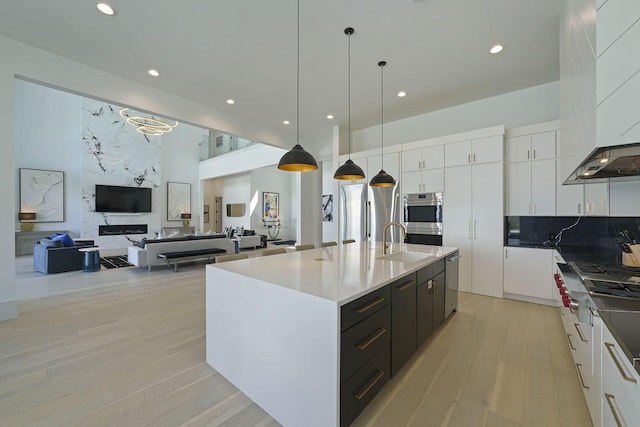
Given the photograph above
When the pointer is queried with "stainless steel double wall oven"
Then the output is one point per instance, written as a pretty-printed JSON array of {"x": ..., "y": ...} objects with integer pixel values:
[{"x": 423, "y": 218}]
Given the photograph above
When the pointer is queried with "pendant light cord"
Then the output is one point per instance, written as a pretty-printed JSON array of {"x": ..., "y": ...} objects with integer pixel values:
[
  {"x": 382, "y": 64},
  {"x": 298, "y": 82},
  {"x": 349, "y": 86}
]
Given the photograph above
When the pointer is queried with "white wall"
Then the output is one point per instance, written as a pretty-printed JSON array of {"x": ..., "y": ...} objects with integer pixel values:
[
  {"x": 180, "y": 155},
  {"x": 528, "y": 106},
  {"x": 273, "y": 180},
  {"x": 48, "y": 136},
  {"x": 236, "y": 189}
]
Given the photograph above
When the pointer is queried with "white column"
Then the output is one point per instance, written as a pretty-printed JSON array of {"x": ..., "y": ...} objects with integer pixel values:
[
  {"x": 309, "y": 224},
  {"x": 8, "y": 176}
]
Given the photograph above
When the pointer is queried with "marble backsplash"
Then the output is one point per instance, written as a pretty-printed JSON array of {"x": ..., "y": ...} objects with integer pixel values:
[{"x": 576, "y": 232}]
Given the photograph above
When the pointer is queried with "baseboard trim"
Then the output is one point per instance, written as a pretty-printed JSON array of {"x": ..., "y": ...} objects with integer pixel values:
[
  {"x": 8, "y": 310},
  {"x": 525, "y": 298}
]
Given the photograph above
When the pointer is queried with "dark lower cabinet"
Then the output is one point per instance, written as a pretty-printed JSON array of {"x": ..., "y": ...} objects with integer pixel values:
[
  {"x": 382, "y": 330},
  {"x": 424, "y": 313},
  {"x": 363, "y": 341},
  {"x": 361, "y": 387},
  {"x": 439, "y": 290},
  {"x": 403, "y": 321}
]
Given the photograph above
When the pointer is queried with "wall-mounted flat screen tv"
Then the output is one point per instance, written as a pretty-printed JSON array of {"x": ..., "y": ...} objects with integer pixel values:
[{"x": 116, "y": 199}]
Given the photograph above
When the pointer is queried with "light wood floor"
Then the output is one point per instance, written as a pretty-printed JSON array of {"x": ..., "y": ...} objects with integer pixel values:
[{"x": 130, "y": 352}]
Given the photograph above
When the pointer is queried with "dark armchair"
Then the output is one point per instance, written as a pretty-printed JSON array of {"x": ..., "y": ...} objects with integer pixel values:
[{"x": 55, "y": 258}]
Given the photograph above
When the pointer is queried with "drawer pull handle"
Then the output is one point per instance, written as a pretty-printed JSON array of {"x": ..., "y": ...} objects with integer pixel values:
[
  {"x": 610, "y": 398},
  {"x": 615, "y": 360},
  {"x": 579, "y": 366},
  {"x": 406, "y": 285},
  {"x": 377, "y": 334},
  {"x": 372, "y": 304},
  {"x": 582, "y": 338},
  {"x": 570, "y": 343},
  {"x": 362, "y": 393}
]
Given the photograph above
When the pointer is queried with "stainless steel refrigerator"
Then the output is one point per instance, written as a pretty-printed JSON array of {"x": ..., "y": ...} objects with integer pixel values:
[{"x": 366, "y": 210}]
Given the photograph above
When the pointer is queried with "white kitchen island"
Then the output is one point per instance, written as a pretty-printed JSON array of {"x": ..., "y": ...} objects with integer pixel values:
[{"x": 273, "y": 323}]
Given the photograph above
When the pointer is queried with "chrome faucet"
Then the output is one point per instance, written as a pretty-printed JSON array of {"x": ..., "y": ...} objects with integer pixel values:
[{"x": 385, "y": 245}]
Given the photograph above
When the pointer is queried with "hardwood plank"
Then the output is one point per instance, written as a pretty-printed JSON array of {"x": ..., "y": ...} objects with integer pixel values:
[{"x": 126, "y": 348}]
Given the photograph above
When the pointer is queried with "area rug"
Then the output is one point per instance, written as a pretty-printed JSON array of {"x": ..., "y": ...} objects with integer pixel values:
[
  {"x": 284, "y": 242},
  {"x": 115, "y": 261}
]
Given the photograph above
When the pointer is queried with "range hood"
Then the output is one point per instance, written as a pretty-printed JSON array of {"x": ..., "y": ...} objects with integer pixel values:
[{"x": 619, "y": 161}]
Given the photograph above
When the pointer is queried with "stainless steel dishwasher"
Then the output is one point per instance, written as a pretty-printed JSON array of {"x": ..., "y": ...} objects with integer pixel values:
[{"x": 451, "y": 282}]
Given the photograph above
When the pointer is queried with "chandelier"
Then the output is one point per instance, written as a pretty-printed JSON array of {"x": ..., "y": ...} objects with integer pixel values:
[{"x": 147, "y": 125}]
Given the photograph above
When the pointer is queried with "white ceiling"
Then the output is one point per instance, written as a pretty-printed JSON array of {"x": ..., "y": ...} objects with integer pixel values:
[{"x": 211, "y": 50}]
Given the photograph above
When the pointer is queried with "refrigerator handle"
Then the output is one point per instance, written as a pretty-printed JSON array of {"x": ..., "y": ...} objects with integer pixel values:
[{"x": 367, "y": 226}]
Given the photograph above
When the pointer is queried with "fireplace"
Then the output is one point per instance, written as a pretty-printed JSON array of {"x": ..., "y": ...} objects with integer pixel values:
[{"x": 119, "y": 230}]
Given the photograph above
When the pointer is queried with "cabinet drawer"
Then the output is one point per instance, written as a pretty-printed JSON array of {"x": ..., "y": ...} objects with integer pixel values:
[
  {"x": 363, "y": 307},
  {"x": 619, "y": 403},
  {"x": 424, "y": 274},
  {"x": 363, "y": 341},
  {"x": 438, "y": 267},
  {"x": 357, "y": 392},
  {"x": 624, "y": 371},
  {"x": 428, "y": 272}
]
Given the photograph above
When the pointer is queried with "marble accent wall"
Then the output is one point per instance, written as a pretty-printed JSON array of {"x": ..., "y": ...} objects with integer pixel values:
[{"x": 113, "y": 153}]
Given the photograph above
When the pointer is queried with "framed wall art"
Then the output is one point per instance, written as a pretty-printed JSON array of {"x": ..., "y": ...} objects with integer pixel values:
[
  {"x": 270, "y": 205},
  {"x": 327, "y": 207},
  {"x": 42, "y": 192},
  {"x": 178, "y": 200}
]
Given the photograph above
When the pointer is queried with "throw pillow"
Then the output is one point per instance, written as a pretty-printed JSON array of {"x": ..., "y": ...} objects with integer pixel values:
[
  {"x": 48, "y": 243},
  {"x": 64, "y": 238}
]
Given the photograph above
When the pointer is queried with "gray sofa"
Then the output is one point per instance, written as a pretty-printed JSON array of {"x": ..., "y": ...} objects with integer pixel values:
[
  {"x": 50, "y": 256},
  {"x": 145, "y": 254}
]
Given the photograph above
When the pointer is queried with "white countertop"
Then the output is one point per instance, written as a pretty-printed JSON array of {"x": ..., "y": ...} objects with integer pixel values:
[{"x": 339, "y": 273}]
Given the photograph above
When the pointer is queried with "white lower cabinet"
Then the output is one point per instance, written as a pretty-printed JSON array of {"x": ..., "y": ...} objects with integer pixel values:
[
  {"x": 580, "y": 337},
  {"x": 481, "y": 262},
  {"x": 620, "y": 394},
  {"x": 528, "y": 272}
]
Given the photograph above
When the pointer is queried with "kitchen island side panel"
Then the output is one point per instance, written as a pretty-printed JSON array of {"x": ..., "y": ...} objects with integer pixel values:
[{"x": 278, "y": 346}]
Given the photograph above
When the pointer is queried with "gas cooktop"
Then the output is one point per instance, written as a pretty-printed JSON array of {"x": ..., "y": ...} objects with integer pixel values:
[{"x": 610, "y": 273}]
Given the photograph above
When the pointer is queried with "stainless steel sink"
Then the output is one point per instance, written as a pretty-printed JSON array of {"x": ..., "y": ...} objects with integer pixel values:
[{"x": 406, "y": 257}]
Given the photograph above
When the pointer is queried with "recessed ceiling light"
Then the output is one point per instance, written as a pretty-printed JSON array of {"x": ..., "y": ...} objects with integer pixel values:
[
  {"x": 496, "y": 49},
  {"x": 106, "y": 9},
  {"x": 329, "y": 116},
  {"x": 230, "y": 101},
  {"x": 604, "y": 160},
  {"x": 286, "y": 122},
  {"x": 402, "y": 93},
  {"x": 153, "y": 73}
]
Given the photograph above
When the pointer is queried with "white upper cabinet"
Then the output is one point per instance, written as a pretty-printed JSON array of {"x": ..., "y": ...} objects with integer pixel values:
[
  {"x": 538, "y": 146},
  {"x": 531, "y": 180},
  {"x": 391, "y": 165},
  {"x": 481, "y": 150},
  {"x": 425, "y": 181},
  {"x": 596, "y": 199},
  {"x": 569, "y": 198},
  {"x": 423, "y": 158}
]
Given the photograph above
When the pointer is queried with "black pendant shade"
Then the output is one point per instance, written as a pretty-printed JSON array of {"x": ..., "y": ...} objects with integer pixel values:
[
  {"x": 382, "y": 179},
  {"x": 349, "y": 171},
  {"x": 297, "y": 160}
]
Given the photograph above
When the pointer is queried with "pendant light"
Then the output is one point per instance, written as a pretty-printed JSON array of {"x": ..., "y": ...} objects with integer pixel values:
[
  {"x": 349, "y": 170},
  {"x": 297, "y": 159},
  {"x": 382, "y": 179}
]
